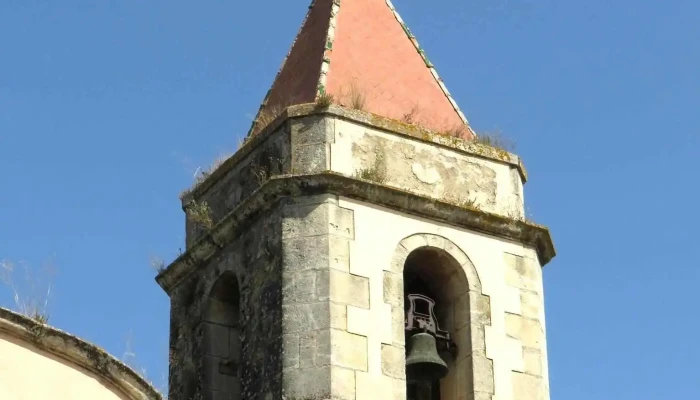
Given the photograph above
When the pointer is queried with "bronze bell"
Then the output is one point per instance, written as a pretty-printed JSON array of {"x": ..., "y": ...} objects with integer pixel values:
[{"x": 424, "y": 363}]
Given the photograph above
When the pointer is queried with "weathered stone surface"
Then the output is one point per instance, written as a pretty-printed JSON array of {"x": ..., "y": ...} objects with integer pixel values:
[
  {"x": 393, "y": 289},
  {"x": 310, "y": 158},
  {"x": 292, "y": 259},
  {"x": 339, "y": 316},
  {"x": 348, "y": 350},
  {"x": 306, "y": 317},
  {"x": 213, "y": 344},
  {"x": 531, "y": 304},
  {"x": 482, "y": 377},
  {"x": 305, "y": 253},
  {"x": 312, "y": 130},
  {"x": 532, "y": 360},
  {"x": 291, "y": 349},
  {"x": 339, "y": 253},
  {"x": 521, "y": 272},
  {"x": 399, "y": 389},
  {"x": 299, "y": 287},
  {"x": 428, "y": 170},
  {"x": 314, "y": 349},
  {"x": 472, "y": 307},
  {"x": 342, "y": 383},
  {"x": 393, "y": 361},
  {"x": 349, "y": 289},
  {"x": 310, "y": 383},
  {"x": 239, "y": 177},
  {"x": 528, "y": 331},
  {"x": 398, "y": 334},
  {"x": 528, "y": 387},
  {"x": 313, "y": 220}
]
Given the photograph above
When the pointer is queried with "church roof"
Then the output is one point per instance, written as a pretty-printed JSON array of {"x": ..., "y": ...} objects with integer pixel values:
[{"x": 362, "y": 53}]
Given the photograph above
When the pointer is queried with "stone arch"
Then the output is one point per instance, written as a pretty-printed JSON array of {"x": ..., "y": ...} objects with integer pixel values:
[
  {"x": 221, "y": 331},
  {"x": 465, "y": 310}
]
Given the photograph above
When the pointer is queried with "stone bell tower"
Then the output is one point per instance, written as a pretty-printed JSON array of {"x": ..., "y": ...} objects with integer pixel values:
[{"x": 363, "y": 243}]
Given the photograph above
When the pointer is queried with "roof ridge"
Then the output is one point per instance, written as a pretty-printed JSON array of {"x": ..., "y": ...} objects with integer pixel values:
[{"x": 330, "y": 37}]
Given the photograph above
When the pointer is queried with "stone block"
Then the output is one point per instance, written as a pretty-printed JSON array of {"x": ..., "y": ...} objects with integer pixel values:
[
  {"x": 398, "y": 333},
  {"x": 531, "y": 304},
  {"x": 528, "y": 331},
  {"x": 482, "y": 377},
  {"x": 528, "y": 387},
  {"x": 399, "y": 389},
  {"x": 215, "y": 339},
  {"x": 472, "y": 307},
  {"x": 348, "y": 350},
  {"x": 394, "y": 361},
  {"x": 307, "y": 350},
  {"x": 342, "y": 222},
  {"x": 393, "y": 289},
  {"x": 349, "y": 289},
  {"x": 532, "y": 361},
  {"x": 343, "y": 383},
  {"x": 298, "y": 318},
  {"x": 413, "y": 242},
  {"x": 290, "y": 356},
  {"x": 219, "y": 312},
  {"x": 299, "y": 287},
  {"x": 314, "y": 349},
  {"x": 339, "y": 253},
  {"x": 234, "y": 340},
  {"x": 339, "y": 316},
  {"x": 312, "y": 130},
  {"x": 398, "y": 260},
  {"x": 305, "y": 221},
  {"x": 305, "y": 253},
  {"x": 435, "y": 241},
  {"x": 522, "y": 272},
  {"x": 309, "y": 159},
  {"x": 214, "y": 379},
  {"x": 457, "y": 254},
  {"x": 310, "y": 383},
  {"x": 470, "y": 338}
]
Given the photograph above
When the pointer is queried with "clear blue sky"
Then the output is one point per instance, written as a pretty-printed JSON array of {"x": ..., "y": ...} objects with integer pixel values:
[{"x": 108, "y": 107}]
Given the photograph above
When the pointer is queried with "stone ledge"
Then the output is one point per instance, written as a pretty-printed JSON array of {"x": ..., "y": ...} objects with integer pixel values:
[
  {"x": 281, "y": 187},
  {"x": 364, "y": 118},
  {"x": 78, "y": 352}
]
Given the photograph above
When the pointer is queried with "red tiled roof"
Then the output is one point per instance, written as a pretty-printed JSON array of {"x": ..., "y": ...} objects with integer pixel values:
[{"x": 360, "y": 51}]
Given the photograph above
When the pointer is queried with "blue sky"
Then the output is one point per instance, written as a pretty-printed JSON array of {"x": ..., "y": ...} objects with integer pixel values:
[{"x": 108, "y": 107}]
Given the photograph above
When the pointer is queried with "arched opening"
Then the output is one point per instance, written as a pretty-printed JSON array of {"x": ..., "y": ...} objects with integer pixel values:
[
  {"x": 222, "y": 340},
  {"x": 434, "y": 273}
]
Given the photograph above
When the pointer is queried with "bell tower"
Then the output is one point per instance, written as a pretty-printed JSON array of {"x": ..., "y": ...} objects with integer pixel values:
[{"x": 364, "y": 243}]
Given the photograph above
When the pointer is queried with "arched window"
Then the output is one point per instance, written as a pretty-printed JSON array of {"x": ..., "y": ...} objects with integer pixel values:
[
  {"x": 433, "y": 271},
  {"x": 222, "y": 340}
]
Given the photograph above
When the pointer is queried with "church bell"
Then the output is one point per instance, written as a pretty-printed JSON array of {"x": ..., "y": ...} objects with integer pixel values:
[{"x": 423, "y": 363}]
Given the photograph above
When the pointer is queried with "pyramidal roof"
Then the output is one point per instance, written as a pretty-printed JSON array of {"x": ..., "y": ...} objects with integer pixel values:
[{"x": 362, "y": 54}]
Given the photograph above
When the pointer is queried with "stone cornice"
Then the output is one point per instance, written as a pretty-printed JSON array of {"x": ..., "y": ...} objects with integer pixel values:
[
  {"x": 78, "y": 352},
  {"x": 368, "y": 119},
  {"x": 279, "y": 187}
]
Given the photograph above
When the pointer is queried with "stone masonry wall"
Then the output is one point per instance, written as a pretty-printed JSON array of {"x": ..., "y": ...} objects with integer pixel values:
[
  {"x": 271, "y": 157},
  {"x": 195, "y": 349},
  {"x": 321, "y": 356},
  {"x": 524, "y": 275},
  {"x": 319, "y": 143}
]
